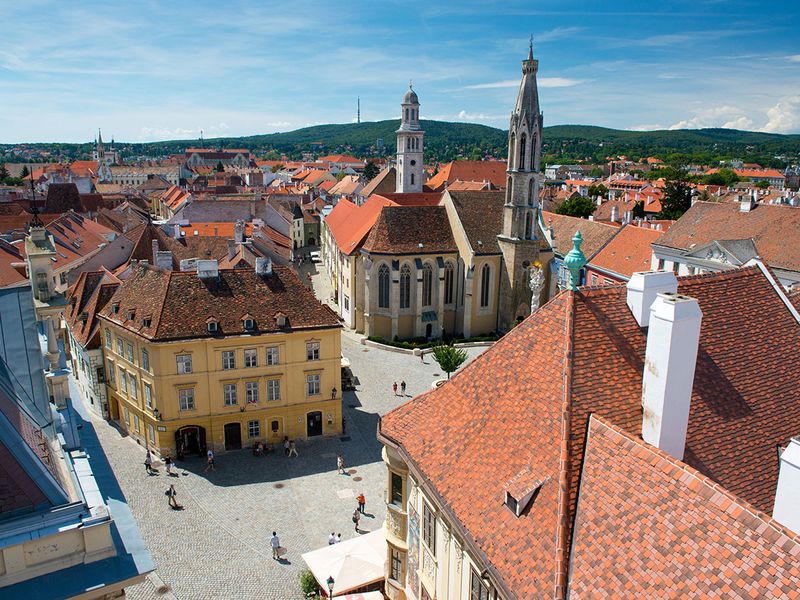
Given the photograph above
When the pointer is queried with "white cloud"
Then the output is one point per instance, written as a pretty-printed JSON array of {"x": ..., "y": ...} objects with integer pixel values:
[
  {"x": 465, "y": 116},
  {"x": 784, "y": 117},
  {"x": 724, "y": 116},
  {"x": 646, "y": 127},
  {"x": 509, "y": 83},
  {"x": 555, "y": 34},
  {"x": 793, "y": 58}
]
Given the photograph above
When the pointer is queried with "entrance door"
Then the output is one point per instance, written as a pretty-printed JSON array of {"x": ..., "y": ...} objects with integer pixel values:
[
  {"x": 428, "y": 330},
  {"x": 314, "y": 424},
  {"x": 233, "y": 436}
]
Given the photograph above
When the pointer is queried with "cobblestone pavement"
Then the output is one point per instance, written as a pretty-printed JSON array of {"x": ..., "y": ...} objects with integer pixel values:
[{"x": 218, "y": 547}]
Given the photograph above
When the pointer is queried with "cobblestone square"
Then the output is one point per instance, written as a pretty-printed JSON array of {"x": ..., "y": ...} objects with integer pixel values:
[{"x": 218, "y": 546}]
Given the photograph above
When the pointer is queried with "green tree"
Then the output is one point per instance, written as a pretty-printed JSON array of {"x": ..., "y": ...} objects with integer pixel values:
[
  {"x": 220, "y": 167},
  {"x": 638, "y": 210},
  {"x": 722, "y": 177},
  {"x": 3, "y": 173},
  {"x": 340, "y": 175},
  {"x": 308, "y": 584},
  {"x": 370, "y": 170},
  {"x": 577, "y": 206},
  {"x": 276, "y": 168},
  {"x": 449, "y": 357},
  {"x": 596, "y": 172},
  {"x": 597, "y": 190},
  {"x": 677, "y": 197},
  {"x": 761, "y": 184},
  {"x": 24, "y": 172}
]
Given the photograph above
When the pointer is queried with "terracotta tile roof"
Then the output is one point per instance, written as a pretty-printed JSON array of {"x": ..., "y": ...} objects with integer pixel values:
[
  {"x": 481, "y": 215},
  {"x": 189, "y": 246},
  {"x": 411, "y": 230},
  {"x": 627, "y": 252},
  {"x": 84, "y": 168},
  {"x": 775, "y": 229},
  {"x": 684, "y": 535},
  {"x": 413, "y": 199},
  {"x": 90, "y": 293},
  {"x": 12, "y": 265},
  {"x": 180, "y": 304},
  {"x": 471, "y": 170},
  {"x": 62, "y": 197},
  {"x": 350, "y": 224},
  {"x": 216, "y": 229},
  {"x": 595, "y": 235},
  {"x": 327, "y": 185},
  {"x": 772, "y": 173},
  {"x": 75, "y": 237},
  {"x": 384, "y": 182},
  {"x": 340, "y": 158},
  {"x": 468, "y": 186},
  {"x": 583, "y": 353}
]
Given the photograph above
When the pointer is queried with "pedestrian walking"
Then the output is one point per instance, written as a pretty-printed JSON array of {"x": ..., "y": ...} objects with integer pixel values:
[
  {"x": 394, "y": 388},
  {"x": 356, "y": 518},
  {"x": 403, "y": 388},
  {"x": 340, "y": 464},
  {"x": 286, "y": 445},
  {"x": 148, "y": 463},
  {"x": 292, "y": 448},
  {"x": 331, "y": 539},
  {"x": 210, "y": 460},
  {"x": 338, "y": 537},
  {"x": 171, "y": 494},
  {"x": 362, "y": 501},
  {"x": 276, "y": 545},
  {"x": 168, "y": 464}
]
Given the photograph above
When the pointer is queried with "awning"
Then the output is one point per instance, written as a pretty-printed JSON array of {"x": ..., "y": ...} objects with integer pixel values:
[
  {"x": 429, "y": 315},
  {"x": 363, "y": 596},
  {"x": 353, "y": 563}
]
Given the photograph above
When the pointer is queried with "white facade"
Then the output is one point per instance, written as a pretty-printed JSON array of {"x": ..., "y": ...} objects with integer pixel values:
[
  {"x": 89, "y": 370},
  {"x": 409, "y": 146}
]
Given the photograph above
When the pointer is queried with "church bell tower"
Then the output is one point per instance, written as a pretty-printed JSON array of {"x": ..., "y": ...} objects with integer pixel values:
[
  {"x": 409, "y": 146},
  {"x": 519, "y": 241}
]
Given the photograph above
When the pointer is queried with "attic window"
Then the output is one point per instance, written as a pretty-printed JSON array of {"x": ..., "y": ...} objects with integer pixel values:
[
  {"x": 249, "y": 324},
  {"x": 521, "y": 491},
  {"x": 280, "y": 319},
  {"x": 146, "y": 322},
  {"x": 115, "y": 308},
  {"x": 131, "y": 315},
  {"x": 213, "y": 326}
]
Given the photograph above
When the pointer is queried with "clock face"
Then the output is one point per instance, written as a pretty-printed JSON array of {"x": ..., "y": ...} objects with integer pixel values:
[{"x": 413, "y": 162}]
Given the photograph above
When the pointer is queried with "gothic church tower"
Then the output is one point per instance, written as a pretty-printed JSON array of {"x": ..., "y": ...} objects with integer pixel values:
[
  {"x": 409, "y": 146},
  {"x": 518, "y": 242}
]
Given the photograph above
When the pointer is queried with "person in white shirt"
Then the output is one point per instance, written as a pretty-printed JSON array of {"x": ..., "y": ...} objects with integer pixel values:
[
  {"x": 331, "y": 539},
  {"x": 276, "y": 544}
]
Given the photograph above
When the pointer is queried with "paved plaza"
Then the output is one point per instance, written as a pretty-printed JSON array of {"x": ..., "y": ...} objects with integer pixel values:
[{"x": 218, "y": 547}]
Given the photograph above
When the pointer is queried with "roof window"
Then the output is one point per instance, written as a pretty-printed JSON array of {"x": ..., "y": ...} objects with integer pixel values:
[
  {"x": 213, "y": 325},
  {"x": 131, "y": 315},
  {"x": 115, "y": 308},
  {"x": 281, "y": 320},
  {"x": 522, "y": 490},
  {"x": 147, "y": 321},
  {"x": 249, "y": 323}
]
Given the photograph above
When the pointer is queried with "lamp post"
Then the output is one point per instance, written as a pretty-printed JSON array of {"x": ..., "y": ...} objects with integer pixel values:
[
  {"x": 333, "y": 393},
  {"x": 330, "y": 583},
  {"x": 156, "y": 414}
]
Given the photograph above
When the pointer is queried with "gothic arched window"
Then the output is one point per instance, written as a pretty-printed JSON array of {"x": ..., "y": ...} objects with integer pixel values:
[
  {"x": 530, "y": 192},
  {"x": 406, "y": 114},
  {"x": 427, "y": 284},
  {"x": 405, "y": 287},
  {"x": 485, "y": 276},
  {"x": 523, "y": 140},
  {"x": 509, "y": 187},
  {"x": 529, "y": 226},
  {"x": 448, "y": 283},
  {"x": 412, "y": 179},
  {"x": 383, "y": 287},
  {"x": 534, "y": 166}
]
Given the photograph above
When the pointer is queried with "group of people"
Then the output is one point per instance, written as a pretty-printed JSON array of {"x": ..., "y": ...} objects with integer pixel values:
[
  {"x": 148, "y": 464},
  {"x": 402, "y": 388},
  {"x": 289, "y": 447}
]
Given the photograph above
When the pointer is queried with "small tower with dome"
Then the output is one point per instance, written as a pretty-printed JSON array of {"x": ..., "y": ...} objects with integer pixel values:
[{"x": 409, "y": 145}]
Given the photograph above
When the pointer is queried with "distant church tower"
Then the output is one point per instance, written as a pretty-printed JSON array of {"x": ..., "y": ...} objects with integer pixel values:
[
  {"x": 99, "y": 151},
  {"x": 409, "y": 145},
  {"x": 518, "y": 242}
]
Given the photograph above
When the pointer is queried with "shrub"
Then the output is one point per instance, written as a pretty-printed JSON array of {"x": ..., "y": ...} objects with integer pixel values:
[{"x": 308, "y": 584}]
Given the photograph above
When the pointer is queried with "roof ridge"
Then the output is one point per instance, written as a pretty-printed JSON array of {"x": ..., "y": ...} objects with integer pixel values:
[{"x": 683, "y": 472}]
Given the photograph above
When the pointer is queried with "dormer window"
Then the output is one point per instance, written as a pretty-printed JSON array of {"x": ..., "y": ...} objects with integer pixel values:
[
  {"x": 281, "y": 320},
  {"x": 249, "y": 323},
  {"x": 146, "y": 322},
  {"x": 521, "y": 491},
  {"x": 115, "y": 308},
  {"x": 213, "y": 326},
  {"x": 131, "y": 315}
]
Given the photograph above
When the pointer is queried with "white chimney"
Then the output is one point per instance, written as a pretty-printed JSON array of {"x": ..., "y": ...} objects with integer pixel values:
[
  {"x": 263, "y": 266},
  {"x": 787, "y": 496},
  {"x": 669, "y": 363},
  {"x": 643, "y": 288},
  {"x": 163, "y": 260},
  {"x": 207, "y": 269},
  {"x": 176, "y": 231},
  {"x": 614, "y": 213}
]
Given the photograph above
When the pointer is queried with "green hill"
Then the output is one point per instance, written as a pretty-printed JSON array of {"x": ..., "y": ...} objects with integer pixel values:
[{"x": 446, "y": 141}]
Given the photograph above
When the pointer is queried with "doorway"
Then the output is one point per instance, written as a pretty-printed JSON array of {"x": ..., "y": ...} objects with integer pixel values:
[
  {"x": 233, "y": 436},
  {"x": 190, "y": 440},
  {"x": 428, "y": 330},
  {"x": 314, "y": 424}
]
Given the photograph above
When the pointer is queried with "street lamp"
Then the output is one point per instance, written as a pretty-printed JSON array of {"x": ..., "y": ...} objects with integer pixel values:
[
  {"x": 333, "y": 393},
  {"x": 156, "y": 414},
  {"x": 330, "y": 583}
]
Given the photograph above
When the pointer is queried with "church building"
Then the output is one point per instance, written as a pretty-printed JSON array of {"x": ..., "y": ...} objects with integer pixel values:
[{"x": 418, "y": 263}]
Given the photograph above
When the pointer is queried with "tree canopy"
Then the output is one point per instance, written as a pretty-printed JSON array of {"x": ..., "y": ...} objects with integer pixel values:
[
  {"x": 577, "y": 206},
  {"x": 449, "y": 357},
  {"x": 370, "y": 170},
  {"x": 677, "y": 197}
]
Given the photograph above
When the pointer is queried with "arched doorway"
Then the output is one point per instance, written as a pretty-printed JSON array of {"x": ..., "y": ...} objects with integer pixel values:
[
  {"x": 314, "y": 424},
  {"x": 312, "y": 241},
  {"x": 233, "y": 436},
  {"x": 190, "y": 440},
  {"x": 428, "y": 330}
]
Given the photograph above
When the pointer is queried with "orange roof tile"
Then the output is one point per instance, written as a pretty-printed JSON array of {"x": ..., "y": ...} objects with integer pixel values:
[
  {"x": 351, "y": 225},
  {"x": 471, "y": 170},
  {"x": 628, "y": 252}
]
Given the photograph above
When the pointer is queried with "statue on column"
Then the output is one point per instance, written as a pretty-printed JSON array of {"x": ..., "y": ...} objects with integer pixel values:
[{"x": 536, "y": 284}]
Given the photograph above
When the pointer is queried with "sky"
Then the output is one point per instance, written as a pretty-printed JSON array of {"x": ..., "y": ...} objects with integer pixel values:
[{"x": 145, "y": 71}]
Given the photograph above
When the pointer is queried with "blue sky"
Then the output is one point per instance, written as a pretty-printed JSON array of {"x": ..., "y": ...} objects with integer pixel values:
[{"x": 164, "y": 70}]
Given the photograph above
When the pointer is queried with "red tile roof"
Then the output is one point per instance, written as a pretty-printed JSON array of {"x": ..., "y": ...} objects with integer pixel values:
[
  {"x": 351, "y": 224},
  {"x": 481, "y": 216},
  {"x": 340, "y": 158},
  {"x": 12, "y": 265},
  {"x": 180, "y": 304},
  {"x": 217, "y": 229},
  {"x": 595, "y": 235},
  {"x": 684, "y": 535},
  {"x": 411, "y": 230},
  {"x": 583, "y": 353},
  {"x": 86, "y": 298},
  {"x": 471, "y": 170},
  {"x": 775, "y": 229},
  {"x": 627, "y": 252},
  {"x": 413, "y": 199}
]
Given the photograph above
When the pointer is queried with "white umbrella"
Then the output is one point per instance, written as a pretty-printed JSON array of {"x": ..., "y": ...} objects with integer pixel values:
[{"x": 353, "y": 563}]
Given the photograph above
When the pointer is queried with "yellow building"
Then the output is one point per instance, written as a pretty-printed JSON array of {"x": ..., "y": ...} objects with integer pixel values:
[{"x": 221, "y": 358}]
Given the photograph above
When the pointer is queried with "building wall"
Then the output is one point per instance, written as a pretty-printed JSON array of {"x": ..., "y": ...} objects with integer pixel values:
[
  {"x": 91, "y": 384},
  {"x": 208, "y": 378}
]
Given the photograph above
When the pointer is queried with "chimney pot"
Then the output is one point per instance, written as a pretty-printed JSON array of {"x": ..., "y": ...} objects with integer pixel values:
[{"x": 642, "y": 290}]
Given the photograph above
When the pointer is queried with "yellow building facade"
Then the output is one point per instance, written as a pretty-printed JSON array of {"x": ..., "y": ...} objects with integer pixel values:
[{"x": 224, "y": 391}]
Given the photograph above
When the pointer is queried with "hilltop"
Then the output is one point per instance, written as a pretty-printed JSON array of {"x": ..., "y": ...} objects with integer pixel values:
[{"x": 445, "y": 141}]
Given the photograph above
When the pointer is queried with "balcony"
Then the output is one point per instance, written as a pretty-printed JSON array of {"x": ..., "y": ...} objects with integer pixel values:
[{"x": 396, "y": 526}]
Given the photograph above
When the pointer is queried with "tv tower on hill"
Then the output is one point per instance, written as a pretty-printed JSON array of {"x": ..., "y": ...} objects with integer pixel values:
[{"x": 358, "y": 113}]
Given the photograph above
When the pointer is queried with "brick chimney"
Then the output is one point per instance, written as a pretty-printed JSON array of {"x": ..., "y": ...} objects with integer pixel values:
[
  {"x": 643, "y": 287},
  {"x": 787, "y": 496},
  {"x": 670, "y": 359}
]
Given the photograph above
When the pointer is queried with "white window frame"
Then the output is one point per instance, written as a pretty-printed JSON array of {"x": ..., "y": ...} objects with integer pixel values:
[
  {"x": 313, "y": 384},
  {"x": 145, "y": 360},
  {"x": 273, "y": 389},
  {"x": 120, "y": 346},
  {"x": 229, "y": 394},
  {"x": 183, "y": 363},
  {"x": 254, "y": 428},
  {"x": 123, "y": 379},
  {"x": 251, "y": 357},
  {"x": 312, "y": 351},
  {"x": 251, "y": 392},
  {"x": 273, "y": 356},
  {"x": 228, "y": 360},
  {"x": 148, "y": 395},
  {"x": 130, "y": 352},
  {"x": 186, "y": 399},
  {"x": 132, "y": 386},
  {"x": 109, "y": 342}
]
